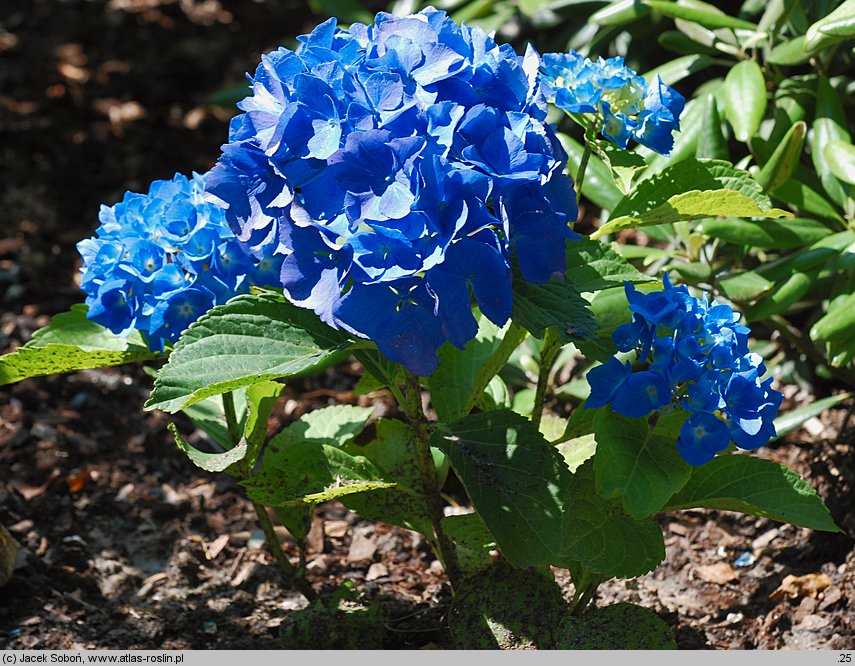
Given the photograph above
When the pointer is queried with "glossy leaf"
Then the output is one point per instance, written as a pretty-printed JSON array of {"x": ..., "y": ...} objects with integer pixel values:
[
  {"x": 712, "y": 143},
  {"x": 705, "y": 15},
  {"x": 829, "y": 125},
  {"x": 745, "y": 99},
  {"x": 766, "y": 234},
  {"x": 838, "y": 323},
  {"x": 840, "y": 157},
  {"x": 789, "y": 421},
  {"x": 781, "y": 165}
]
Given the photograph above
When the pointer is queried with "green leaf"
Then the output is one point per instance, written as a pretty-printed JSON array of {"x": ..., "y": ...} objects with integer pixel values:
[
  {"x": 840, "y": 157},
  {"x": 781, "y": 297},
  {"x": 305, "y": 473},
  {"x": 72, "y": 342},
  {"x": 555, "y": 303},
  {"x": 393, "y": 451},
  {"x": 752, "y": 485},
  {"x": 829, "y": 125},
  {"x": 617, "y": 627},
  {"x": 806, "y": 200},
  {"x": 766, "y": 234},
  {"x": 472, "y": 541},
  {"x": 693, "y": 205},
  {"x": 598, "y": 186},
  {"x": 604, "y": 539},
  {"x": 745, "y": 99},
  {"x": 335, "y": 425},
  {"x": 791, "y": 52},
  {"x": 210, "y": 462},
  {"x": 250, "y": 339},
  {"x": 454, "y": 382},
  {"x": 209, "y": 416},
  {"x": 637, "y": 465},
  {"x": 705, "y": 15},
  {"x": 789, "y": 421},
  {"x": 690, "y": 174},
  {"x": 577, "y": 450},
  {"x": 712, "y": 143},
  {"x": 676, "y": 70},
  {"x": 506, "y": 608},
  {"x": 619, "y": 12},
  {"x": 745, "y": 286},
  {"x": 515, "y": 480},
  {"x": 832, "y": 28},
  {"x": 781, "y": 165},
  {"x": 594, "y": 265},
  {"x": 838, "y": 323},
  {"x": 260, "y": 401}
]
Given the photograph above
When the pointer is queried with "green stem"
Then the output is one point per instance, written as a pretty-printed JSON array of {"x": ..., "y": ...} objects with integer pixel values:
[
  {"x": 294, "y": 574},
  {"x": 512, "y": 339},
  {"x": 548, "y": 353},
  {"x": 231, "y": 418},
  {"x": 580, "y": 174},
  {"x": 412, "y": 407}
]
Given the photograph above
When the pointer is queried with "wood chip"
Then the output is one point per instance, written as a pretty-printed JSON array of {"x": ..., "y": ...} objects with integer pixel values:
[
  {"x": 315, "y": 537},
  {"x": 765, "y": 539},
  {"x": 217, "y": 546},
  {"x": 336, "y": 528},
  {"x": 830, "y": 597},
  {"x": 376, "y": 570},
  {"x": 363, "y": 546},
  {"x": 719, "y": 573},
  {"x": 793, "y": 587}
]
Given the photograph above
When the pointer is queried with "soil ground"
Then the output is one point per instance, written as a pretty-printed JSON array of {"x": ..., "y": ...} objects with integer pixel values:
[{"x": 126, "y": 543}]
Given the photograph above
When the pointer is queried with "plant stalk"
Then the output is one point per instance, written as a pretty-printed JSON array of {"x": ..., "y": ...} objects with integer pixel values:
[
  {"x": 294, "y": 574},
  {"x": 430, "y": 487},
  {"x": 548, "y": 353}
]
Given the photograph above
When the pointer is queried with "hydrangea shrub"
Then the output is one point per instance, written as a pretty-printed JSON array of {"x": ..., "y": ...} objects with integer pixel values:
[{"x": 394, "y": 192}]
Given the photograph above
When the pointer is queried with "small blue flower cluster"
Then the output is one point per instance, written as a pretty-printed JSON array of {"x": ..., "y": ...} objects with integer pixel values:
[
  {"x": 397, "y": 166},
  {"x": 161, "y": 260},
  {"x": 697, "y": 356},
  {"x": 630, "y": 107}
]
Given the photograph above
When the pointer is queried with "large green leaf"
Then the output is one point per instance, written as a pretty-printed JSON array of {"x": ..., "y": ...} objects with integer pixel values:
[
  {"x": 703, "y": 14},
  {"x": 789, "y": 421},
  {"x": 690, "y": 174},
  {"x": 251, "y": 338},
  {"x": 393, "y": 452},
  {"x": 617, "y": 627},
  {"x": 831, "y": 28},
  {"x": 210, "y": 462},
  {"x": 594, "y": 265},
  {"x": 260, "y": 400},
  {"x": 454, "y": 382},
  {"x": 598, "y": 186},
  {"x": 838, "y": 323},
  {"x": 335, "y": 425},
  {"x": 72, "y": 342},
  {"x": 830, "y": 125},
  {"x": 840, "y": 156},
  {"x": 766, "y": 234},
  {"x": 472, "y": 542},
  {"x": 305, "y": 473},
  {"x": 600, "y": 536},
  {"x": 515, "y": 480},
  {"x": 752, "y": 485},
  {"x": 636, "y": 464},
  {"x": 555, "y": 303},
  {"x": 745, "y": 99},
  {"x": 782, "y": 164},
  {"x": 693, "y": 205}
]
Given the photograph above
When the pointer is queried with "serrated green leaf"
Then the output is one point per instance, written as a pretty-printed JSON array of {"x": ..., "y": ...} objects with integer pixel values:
[
  {"x": 555, "y": 303},
  {"x": 260, "y": 401},
  {"x": 577, "y": 450},
  {"x": 305, "y": 473},
  {"x": 393, "y": 452},
  {"x": 752, "y": 485},
  {"x": 745, "y": 99},
  {"x": 472, "y": 541},
  {"x": 637, "y": 465},
  {"x": 515, "y": 480},
  {"x": 251, "y": 338},
  {"x": 693, "y": 205},
  {"x": 598, "y": 185},
  {"x": 705, "y": 15},
  {"x": 617, "y": 627},
  {"x": 690, "y": 174},
  {"x": 210, "y": 462},
  {"x": 335, "y": 425},
  {"x": 506, "y": 608},
  {"x": 454, "y": 382},
  {"x": 594, "y": 265},
  {"x": 766, "y": 234},
  {"x": 72, "y": 342},
  {"x": 602, "y": 538}
]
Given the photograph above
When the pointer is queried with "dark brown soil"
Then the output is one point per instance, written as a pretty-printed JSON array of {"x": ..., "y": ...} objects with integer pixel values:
[{"x": 126, "y": 543}]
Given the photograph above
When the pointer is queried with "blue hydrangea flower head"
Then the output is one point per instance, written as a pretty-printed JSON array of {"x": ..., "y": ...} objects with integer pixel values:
[
  {"x": 625, "y": 104},
  {"x": 399, "y": 169},
  {"x": 693, "y": 354},
  {"x": 160, "y": 260}
]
